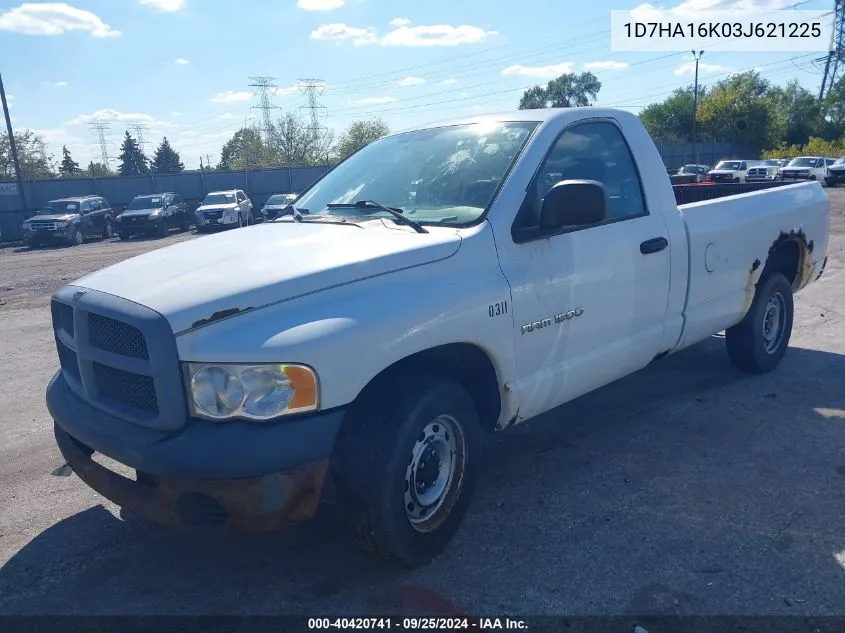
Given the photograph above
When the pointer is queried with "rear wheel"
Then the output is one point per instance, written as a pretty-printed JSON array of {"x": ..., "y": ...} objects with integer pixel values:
[
  {"x": 184, "y": 225},
  {"x": 405, "y": 468},
  {"x": 759, "y": 342},
  {"x": 108, "y": 230},
  {"x": 123, "y": 235}
]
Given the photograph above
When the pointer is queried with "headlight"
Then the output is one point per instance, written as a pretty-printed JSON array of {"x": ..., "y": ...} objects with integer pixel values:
[
  {"x": 62, "y": 225},
  {"x": 255, "y": 392},
  {"x": 155, "y": 213}
]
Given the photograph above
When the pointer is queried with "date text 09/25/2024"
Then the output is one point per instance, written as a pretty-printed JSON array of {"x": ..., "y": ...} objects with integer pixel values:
[{"x": 416, "y": 624}]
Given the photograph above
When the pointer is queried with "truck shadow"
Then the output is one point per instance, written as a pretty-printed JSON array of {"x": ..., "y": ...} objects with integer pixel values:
[{"x": 628, "y": 500}]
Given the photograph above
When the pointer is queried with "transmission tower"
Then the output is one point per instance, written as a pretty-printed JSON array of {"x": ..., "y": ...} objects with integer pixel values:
[
  {"x": 313, "y": 89},
  {"x": 265, "y": 88},
  {"x": 834, "y": 67},
  {"x": 102, "y": 130},
  {"x": 140, "y": 129}
]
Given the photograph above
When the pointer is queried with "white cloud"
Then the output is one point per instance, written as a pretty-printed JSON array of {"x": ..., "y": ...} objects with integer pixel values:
[
  {"x": 176, "y": 114},
  {"x": 107, "y": 115},
  {"x": 449, "y": 81},
  {"x": 181, "y": 61},
  {"x": 167, "y": 6},
  {"x": 55, "y": 84},
  {"x": 606, "y": 66},
  {"x": 688, "y": 68},
  {"x": 231, "y": 96},
  {"x": 373, "y": 101},
  {"x": 435, "y": 35},
  {"x": 345, "y": 32},
  {"x": 411, "y": 81},
  {"x": 53, "y": 18},
  {"x": 320, "y": 5},
  {"x": 404, "y": 35},
  {"x": 552, "y": 70},
  {"x": 60, "y": 136},
  {"x": 689, "y": 9}
]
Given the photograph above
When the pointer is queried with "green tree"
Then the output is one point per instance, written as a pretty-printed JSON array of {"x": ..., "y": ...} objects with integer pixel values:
[
  {"x": 68, "y": 167},
  {"x": 570, "y": 90},
  {"x": 99, "y": 170},
  {"x": 798, "y": 113},
  {"x": 166, "y": 159},
  {"x": 741, "y": 109},
  {"x": 833, "y": 112},
  {"x": 132, "y": 159},
  {"x": 245, "y": 148},
  {"x": 35, "y": 162},
  {"x": 671, "y": 119},
  {"x": 360, "y": 134},
  {"x": 292, "y": 141}
]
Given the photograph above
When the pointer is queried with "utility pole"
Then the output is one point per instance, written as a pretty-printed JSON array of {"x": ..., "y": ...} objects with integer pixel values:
[
  {"x": 695, "y": 108},
  {"x": 266, "y": 88},
  {"x": 12, "y": 147},
  {"x": 834, "y": 67}
]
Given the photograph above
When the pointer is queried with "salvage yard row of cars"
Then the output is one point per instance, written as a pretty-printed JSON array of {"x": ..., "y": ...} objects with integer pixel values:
[
  {"x": 831, "y": 171},
  {"x": 77, "y": 219}
]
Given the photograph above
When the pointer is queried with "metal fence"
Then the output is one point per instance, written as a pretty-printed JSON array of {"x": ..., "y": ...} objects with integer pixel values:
[{"x": 258, "y": 184}]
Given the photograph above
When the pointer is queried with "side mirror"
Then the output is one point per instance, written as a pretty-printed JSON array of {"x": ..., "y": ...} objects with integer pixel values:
[{"x": 573, "y": 203}]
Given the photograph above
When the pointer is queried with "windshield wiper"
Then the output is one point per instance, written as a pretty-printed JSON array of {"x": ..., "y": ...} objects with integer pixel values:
[{"x": 370, "y": 204}]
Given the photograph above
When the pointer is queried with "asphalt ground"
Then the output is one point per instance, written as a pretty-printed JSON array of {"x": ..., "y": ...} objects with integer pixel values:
[{"x": 684, "y": 489}]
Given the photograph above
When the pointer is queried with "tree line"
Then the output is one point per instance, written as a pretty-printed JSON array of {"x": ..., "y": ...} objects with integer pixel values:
[{"x": 746, "y": 109}]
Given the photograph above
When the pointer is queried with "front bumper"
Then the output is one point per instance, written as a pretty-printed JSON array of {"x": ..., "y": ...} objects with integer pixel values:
[
  {"x": 835, "y": 178},
  {"x": 787, "y": 175},
  {"x": 61, "y": 236},
  {"x": 233, "y": 476}
]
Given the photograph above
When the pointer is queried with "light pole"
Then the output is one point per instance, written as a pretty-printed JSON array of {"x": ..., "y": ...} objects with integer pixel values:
[{"x": 695, "y": 107}]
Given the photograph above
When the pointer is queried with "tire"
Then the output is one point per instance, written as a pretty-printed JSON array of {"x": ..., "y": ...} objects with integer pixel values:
[
  {"x": 240, "y": 221},
  {"x": 161, "y": 229},
  {"x": 185, "y": 225},
  {"x": 749, "y": 347},
  {"x": 379, "y": 452},
  {"x": 108, "y": 231},
  {"x": 124, "y": 236},
  {"x": 77, "y": 239}
]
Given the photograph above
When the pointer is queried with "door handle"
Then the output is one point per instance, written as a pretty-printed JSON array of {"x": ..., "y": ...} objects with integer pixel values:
[{"x": 654, "y": 245}]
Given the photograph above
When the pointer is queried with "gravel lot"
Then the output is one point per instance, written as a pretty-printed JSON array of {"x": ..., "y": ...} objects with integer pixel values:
[{"x": 684, "y": 489}]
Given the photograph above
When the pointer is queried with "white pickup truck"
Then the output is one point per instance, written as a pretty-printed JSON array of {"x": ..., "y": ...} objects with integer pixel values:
[{"x": 374, "y": 336}]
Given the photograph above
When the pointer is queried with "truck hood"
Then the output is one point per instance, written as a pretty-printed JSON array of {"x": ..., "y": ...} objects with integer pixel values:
[
  {"x": 722, "y": 172},
  {"x": 53, "y": 217},
  {"x": 205, "y": 279},
  {"x": 795, "y": 168},
  {"x": 136, "y": 212}
]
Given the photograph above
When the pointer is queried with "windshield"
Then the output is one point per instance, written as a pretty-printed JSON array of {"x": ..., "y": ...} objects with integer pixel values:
[
  {"x": 145, "y": 203},
  {"x": 281, "y": 198},
  {"x": 770, "y": 163},
  {"x": 731, "y": 165},
  {"x": 802, "y": 162},
  {"x": 445, "y": 175},
  {"x": 689, "y": 169},
  {"x": 59, "y": 207},
  {"x": 219, "y": 198},
  {"x": 839, "y": 161}
]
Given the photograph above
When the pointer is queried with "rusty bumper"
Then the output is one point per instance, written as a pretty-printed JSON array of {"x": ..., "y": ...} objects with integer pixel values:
[{"x": 243, "y": 505}]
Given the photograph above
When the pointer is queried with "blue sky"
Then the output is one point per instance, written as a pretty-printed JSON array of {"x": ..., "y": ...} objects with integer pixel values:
[{"x": 182, "y": 67}]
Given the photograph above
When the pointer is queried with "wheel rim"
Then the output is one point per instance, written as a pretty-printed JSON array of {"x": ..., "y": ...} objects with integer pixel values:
[
  {"x": 109, "y": 230},
  {"x": 435, "y": 473},
  {"x": 77, "y": 238},
  {"x": 774, "y": 323}
]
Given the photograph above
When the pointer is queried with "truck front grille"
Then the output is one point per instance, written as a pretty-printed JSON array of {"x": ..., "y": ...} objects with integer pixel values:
[
  {"x": 132, "y": 390},
  {"x": 42, "y": 225},
  {"x": 119, "y": 357},
  {"x": 116, "y": 337},
  {"x": 212, "y": 215}
]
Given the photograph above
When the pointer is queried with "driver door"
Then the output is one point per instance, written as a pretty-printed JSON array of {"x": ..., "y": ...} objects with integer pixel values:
[{"x": 87, "y": 221}]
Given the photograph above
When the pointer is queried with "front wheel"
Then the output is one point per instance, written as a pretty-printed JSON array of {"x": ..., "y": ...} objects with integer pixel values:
[
  {"x": 406, "y": 466},
  {"x": 760, "y": 340},
  {"x": 108, "y": 231},
  {"x": 77, "y": 239},
  {"x": 240, "y": 221}
]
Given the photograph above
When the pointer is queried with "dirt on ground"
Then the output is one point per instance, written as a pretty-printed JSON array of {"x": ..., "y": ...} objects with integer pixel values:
[{"x": 686, "y": 488}]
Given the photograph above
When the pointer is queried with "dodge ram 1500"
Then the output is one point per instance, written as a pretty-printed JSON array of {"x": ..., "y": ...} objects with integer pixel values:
[{"x": 375, "y": 335}]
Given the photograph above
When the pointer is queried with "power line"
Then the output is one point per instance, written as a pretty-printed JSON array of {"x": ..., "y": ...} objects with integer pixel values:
[
  {"x": 264, "y": 86},
  {"x": 834, "y": 67},
  {"x": 102, "y": 130}
]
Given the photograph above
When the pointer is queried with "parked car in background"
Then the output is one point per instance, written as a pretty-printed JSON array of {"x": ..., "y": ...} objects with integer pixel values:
[
  {"x": 690, "y": 173},
  {"x": 806, "y": 168},
  {"x": 768, "y": 169},
  {"x": 70, "y": 221},
  {"x": 153, "y": 214},
  {"x": 836, "y": 173},
  {"x": 223, "y": 209},
  {"x": 733, "y": 171},
  {"x": 276, "y": 204}
]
